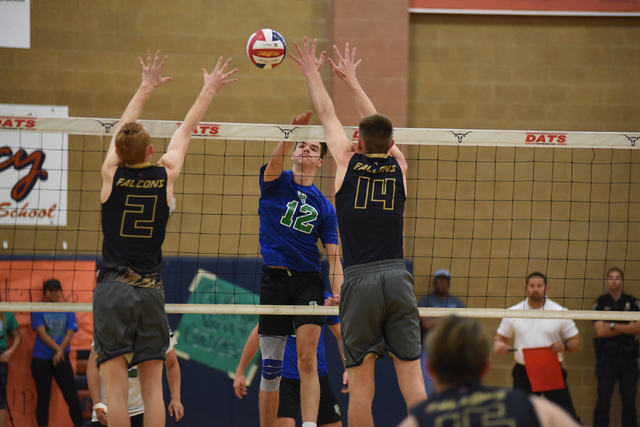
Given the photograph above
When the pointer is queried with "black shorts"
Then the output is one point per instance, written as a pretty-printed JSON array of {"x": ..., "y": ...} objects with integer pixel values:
[
  {"x": 136, "y": 421},
  {"x": 4, "y": 377},
  {"x": 129, "y": 321},
  {"x": 288, "y": 287},
  {"x": 289, "y": 406}
]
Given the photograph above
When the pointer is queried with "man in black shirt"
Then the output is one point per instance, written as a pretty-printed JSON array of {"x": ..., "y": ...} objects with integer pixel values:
[
  {"x": 130, "y": 323},
  {"x": 617, "y": 353},
  {"x": 378, "y": 309},
  {"x": 458, "y": 360}
]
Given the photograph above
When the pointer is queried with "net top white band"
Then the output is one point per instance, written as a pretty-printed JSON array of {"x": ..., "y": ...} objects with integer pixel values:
[
  {"x": 272, "y": 132},
  {"x": 333, "y": 311}
]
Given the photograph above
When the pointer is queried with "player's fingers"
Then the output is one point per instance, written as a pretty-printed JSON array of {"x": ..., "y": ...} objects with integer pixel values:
[
  {"x": 337, "y": 52},
  {"x": 346, "y": 51},
  {"x": 166, "y": 79},
  {"x": 148, "y": 58},
  {"x": 219, "y": 65},
  {"x": 230, "y": 73},
  {"x": 293, "y": 57},
  {"x": 155, "y": 60},
  {"x": 353, "y": 54},
  {"x": 141, "y": 62},
  {"x": 164, "y": 61},
  {"x": 357, "y": 63},
  {"x": 314, "y": 44}
]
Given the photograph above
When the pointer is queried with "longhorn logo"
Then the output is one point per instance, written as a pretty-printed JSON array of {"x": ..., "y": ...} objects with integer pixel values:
[
  {"x": 632, "y": 139},
  {"x": 107, "y": 126},
  {"x": 287, "y": 132},
  {"x": 460, "y": 135}
]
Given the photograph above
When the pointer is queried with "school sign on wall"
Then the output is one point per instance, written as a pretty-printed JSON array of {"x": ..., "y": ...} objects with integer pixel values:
[{"x": 33, "y": 168}]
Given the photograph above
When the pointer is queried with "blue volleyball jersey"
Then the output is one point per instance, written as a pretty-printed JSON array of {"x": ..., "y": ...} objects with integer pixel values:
[
  {"x": 292, "y": 219},
  {"x": 290, "y": 362}
]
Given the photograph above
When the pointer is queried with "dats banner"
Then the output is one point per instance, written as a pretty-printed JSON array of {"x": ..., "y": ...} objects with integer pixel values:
[{"x": 33, "y": 168}]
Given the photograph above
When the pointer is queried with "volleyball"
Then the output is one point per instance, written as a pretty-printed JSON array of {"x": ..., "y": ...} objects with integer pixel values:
[{"x": 266, "y": 48}]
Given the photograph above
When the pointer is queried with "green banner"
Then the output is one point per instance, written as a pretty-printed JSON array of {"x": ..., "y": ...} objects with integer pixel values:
[{"x": 217, "y": 340}]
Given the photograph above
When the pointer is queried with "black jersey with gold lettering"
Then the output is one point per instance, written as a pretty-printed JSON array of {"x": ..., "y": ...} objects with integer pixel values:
[
  {"x": 370, "y": 209},
  {"x": 476, "y": 406},
  {"x": 134, "y": 222}
]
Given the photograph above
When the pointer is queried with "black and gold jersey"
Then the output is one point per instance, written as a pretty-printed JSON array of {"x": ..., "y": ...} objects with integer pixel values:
[
  {"x": 370, "y": 209},
  {"x": 476, "y": 406},
  {"x": 134, "y": 222}
]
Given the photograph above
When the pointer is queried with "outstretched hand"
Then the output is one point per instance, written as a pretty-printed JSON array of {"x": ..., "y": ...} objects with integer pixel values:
[
  {"x": 308, "y": 62},
  {"x": 346, "y": 68},
  {"x": 152, "y": 70},
  {"x": 219, "y": 77},
  {"x": 302, "y": 119}
]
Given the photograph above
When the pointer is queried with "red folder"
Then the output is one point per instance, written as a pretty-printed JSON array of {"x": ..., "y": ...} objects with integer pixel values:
[{"x": 543, "y": 369}]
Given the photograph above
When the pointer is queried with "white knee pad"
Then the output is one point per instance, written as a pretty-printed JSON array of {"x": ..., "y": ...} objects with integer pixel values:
[{"x": 272, "y": 348}]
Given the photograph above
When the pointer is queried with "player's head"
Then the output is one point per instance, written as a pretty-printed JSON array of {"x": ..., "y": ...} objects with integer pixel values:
[
  {"x": 376, "y": 133},
  {"x": 309, "y": 154},
  {"x": 615, "y": 279},
  {"x": 322, "y": 145},
  {"x": 52, "y": 290},
  {"x": 458, "y": 352},
  {"x": 133, "y": 143},
  {"x": 536, "y": 286}
]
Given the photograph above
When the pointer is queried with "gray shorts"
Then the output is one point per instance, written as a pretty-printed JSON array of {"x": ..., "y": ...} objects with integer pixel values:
[
  {"x": 129, "y": 321},
  {"x": 378, "y": 312}
]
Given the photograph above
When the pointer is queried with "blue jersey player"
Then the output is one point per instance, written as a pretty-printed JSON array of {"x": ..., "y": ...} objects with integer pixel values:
[
  {"x": 293, "y": 216},
  {"x": 329, "y": 414}
]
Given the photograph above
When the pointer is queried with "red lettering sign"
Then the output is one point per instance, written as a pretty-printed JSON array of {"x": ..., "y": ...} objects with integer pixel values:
[
  {"x": 546, "y": 139},
  {"x": 14, "y": 122},
  {"x": 20, "y": 160}
]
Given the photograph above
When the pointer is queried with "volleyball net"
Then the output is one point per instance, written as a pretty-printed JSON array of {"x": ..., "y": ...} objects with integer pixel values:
[{"x": 491, "y": 206}]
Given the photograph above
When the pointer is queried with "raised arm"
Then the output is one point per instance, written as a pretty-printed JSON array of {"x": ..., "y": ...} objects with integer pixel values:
[
  {"x": 339, "y": 145},
  {"x": 346, "y": 71},
  {"x": 151, "y": 78},
  {"x": 248, "y": 352},
  {"x": 177, "y": 149},
  {"x": 275, "y": 166}
]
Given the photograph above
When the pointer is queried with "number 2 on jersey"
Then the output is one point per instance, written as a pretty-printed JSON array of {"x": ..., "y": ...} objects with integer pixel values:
[
  {"x": 303, "y": 222},
  {"x": 137, "y": 220}
]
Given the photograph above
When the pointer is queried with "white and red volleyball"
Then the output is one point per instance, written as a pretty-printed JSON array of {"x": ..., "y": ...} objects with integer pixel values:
[{"x": 266, "y": 48}]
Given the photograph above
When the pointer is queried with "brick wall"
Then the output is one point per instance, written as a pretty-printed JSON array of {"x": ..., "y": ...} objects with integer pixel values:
[{"x": 545, "y": 73}]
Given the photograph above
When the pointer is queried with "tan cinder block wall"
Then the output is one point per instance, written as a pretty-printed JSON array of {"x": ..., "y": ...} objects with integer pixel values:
[
  {"x": 532, "y": 73},
  {"x": 462, "y": 72}
]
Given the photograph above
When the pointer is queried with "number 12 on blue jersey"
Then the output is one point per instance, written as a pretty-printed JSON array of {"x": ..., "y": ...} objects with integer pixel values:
[{"x": 303, "y": 222}]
